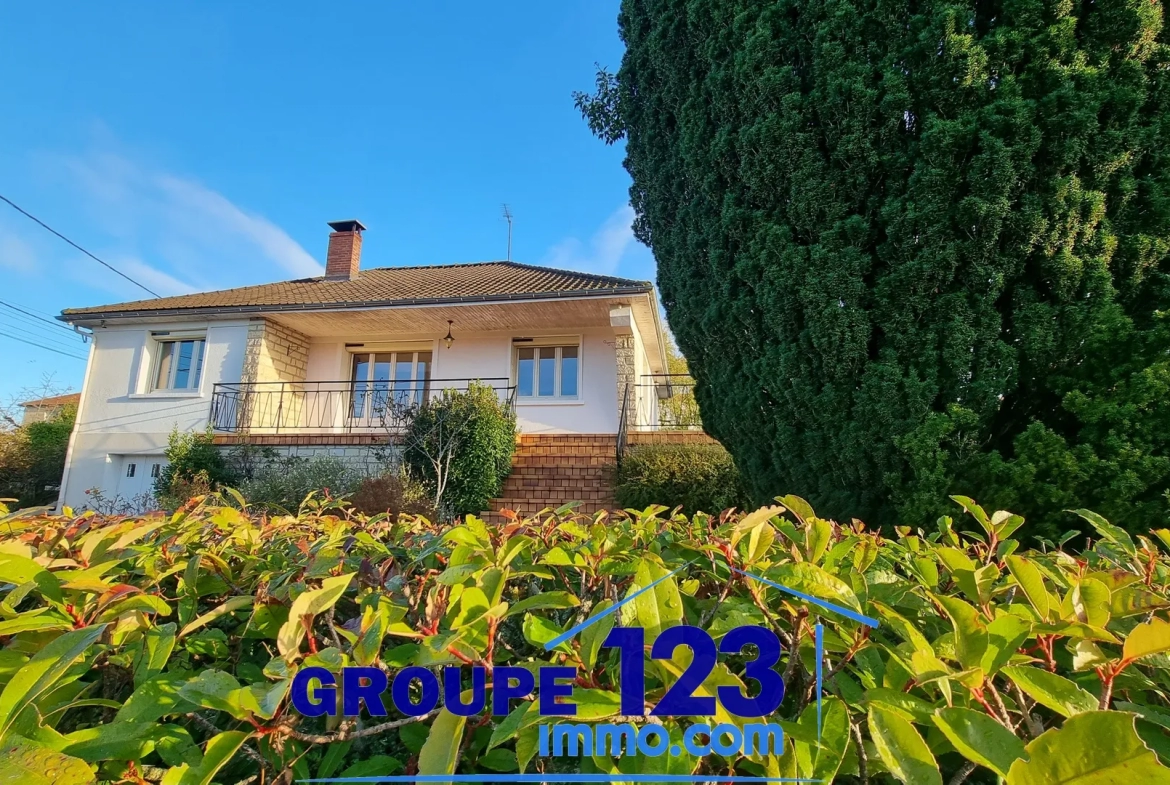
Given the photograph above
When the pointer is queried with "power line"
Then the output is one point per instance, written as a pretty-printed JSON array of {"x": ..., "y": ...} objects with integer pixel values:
[
  {"x": 108, "y": 266},
  {"x": 34, "y": 316},
  {"x": 40, "y": 336},
  {"x": 42, "y": 346}
]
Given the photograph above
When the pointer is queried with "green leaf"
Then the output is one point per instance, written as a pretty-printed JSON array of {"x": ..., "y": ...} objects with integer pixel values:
[
  {"x": 1148, "y": 713},
  {"x": 901, "y": 749},
  {"x": 18, "y": 570},
  {"x": 307, "y": 605},
  {"x": 174, "y": 744},
  {"x": 1152, "y": 637},
  {"x": 798, "y": 506},
  {"x": 42, "y": 672},
  {"x": 155, "y": 649},
  {"x": 1005, "y": 635},
  {"x": 977, "y": 584},
  {"x": 155, "y": 699},
  {"x": 970, "y": 631},
  {"x": 818, "y": 533},
  {"x": 1031, "y": 582},
  {"x": 377, "y": 766},
  {"x": 811, "y": 579},
  {"x": 538, "y": 631},
  {"x": 1052, "y": 690},
  {"x": 955, "y": 559},
  {"x": 544, "y": 601},
  {"x": 596, "y": 704},
  {"x": 660, "y": 607},
  {"x": 750, "y": 521},
  {"x": 1114, "y": 534},
  {"x": 1134, "y": 600},
  {"x": 214, "y": 689},
  {"x": 499, "y": 760},
  {"x": 980, "y": 739},
  {"x": 909, "y": 706},
  {"x": 115, "y": 741},
  {"x": 759, "y": 542},
  {"x": 440, "y": 753},
  {"x": 1094, "y": 748},
  {"x": 595, "y": 634},
  {"x": 221, "y": 748},
  {"x": 834, "y": 740},
  {"x": 1087, "y": 601},
  {"x": 976, "y": 512},
  {"x": 38, "y": 620},
  {"x": 527, "y": 744},
  {"x": 229, "y": 605},
  {"x": 517, "y": 720},
  {"x": 24, "y": 763}
]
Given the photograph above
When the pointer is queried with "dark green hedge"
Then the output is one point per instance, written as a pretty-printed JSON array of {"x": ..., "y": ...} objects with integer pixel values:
[
  {"x": 696, "y": 476},
  {"x": 912, "y": 249}
]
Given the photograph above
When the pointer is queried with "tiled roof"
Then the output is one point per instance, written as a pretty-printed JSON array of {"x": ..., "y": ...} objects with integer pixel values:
[
  {"x": 55, "y": 400},
  {"x": 385, "y": 286}
]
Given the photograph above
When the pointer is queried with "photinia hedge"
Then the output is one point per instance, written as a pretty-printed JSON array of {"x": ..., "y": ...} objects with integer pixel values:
[{"x": 163, "y": 648}]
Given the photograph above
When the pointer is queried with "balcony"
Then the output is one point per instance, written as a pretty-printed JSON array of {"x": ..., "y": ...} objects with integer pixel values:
[{"x": 374, "y": 408}]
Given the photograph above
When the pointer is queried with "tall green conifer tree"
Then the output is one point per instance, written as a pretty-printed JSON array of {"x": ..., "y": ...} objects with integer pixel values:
[{"x": 911, "y": 248}]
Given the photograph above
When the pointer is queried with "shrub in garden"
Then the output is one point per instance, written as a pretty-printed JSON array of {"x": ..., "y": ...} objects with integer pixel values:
[
  {"x": 695, "y": 476},
  {"x": 194, "y": 467},
  {"x": 460, "y": 445},
  {"x": 160, "y": 649},
  {"x": 394, "y": 493},
  {"x": 283, "y": 483},
  {"x": 32, "y": 459}
]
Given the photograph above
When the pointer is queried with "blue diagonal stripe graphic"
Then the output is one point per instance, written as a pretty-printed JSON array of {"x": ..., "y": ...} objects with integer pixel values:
[
  {"x": 568, "y": 635},
  {"x": 819, "y": 631},
  {"x": 846, "y": 612}
]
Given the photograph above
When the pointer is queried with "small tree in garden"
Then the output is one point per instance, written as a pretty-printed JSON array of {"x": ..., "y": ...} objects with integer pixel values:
[
  {"x": 194, "y": 466},
  {"x": 32, "y": 458},
  {"x": 461, "y": 446}
]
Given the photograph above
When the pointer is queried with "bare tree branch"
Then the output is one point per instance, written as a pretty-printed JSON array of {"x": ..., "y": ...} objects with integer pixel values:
[
  {"x": 962, "y": 774},
  {"x": 344, "y": 734}
]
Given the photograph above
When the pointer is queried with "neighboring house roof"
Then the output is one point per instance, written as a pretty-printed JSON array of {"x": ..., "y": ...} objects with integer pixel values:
[
  {"x": 52, "y": 401},
  {"x": 383, "y": 287}
]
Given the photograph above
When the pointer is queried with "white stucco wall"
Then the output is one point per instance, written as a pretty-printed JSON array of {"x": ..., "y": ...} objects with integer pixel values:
[
  {"x": 118, "y": 416},
  {"x": 488, "y": 355}
]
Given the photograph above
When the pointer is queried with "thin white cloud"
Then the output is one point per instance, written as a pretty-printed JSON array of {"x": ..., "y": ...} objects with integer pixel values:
[
  {"x": 612, "y": 244},
  {"x": 157, "y": 280},
  {"x": 195, "y": 238},
  {"x": 16, "y": 255},
  {"x": 273, "y": 242}
]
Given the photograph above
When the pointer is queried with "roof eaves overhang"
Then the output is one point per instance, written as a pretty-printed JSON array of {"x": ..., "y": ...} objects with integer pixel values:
[{"x": 249, "y": 310}]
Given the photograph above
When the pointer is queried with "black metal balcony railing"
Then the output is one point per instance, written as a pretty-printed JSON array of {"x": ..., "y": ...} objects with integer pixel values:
[
  {"x": 333, "y": 407},
  {"x": 663, "y": 402}
]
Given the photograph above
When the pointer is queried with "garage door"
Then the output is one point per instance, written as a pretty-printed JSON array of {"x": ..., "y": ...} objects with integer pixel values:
[{"x": 136, "y": 478}]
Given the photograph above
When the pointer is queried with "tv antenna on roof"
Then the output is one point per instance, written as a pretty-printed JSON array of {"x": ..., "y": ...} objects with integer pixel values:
[{"x": 508, "y": 218}]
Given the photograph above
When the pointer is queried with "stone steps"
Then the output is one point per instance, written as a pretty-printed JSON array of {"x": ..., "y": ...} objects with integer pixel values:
[{"x": 549, "y": 470}]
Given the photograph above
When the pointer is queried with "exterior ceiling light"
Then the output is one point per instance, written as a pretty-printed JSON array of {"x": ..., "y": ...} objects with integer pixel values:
[{"x": 450, "y": 338}]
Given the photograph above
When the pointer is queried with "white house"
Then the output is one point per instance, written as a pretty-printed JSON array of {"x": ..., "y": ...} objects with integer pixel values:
[{"x": 314, "y": 364}]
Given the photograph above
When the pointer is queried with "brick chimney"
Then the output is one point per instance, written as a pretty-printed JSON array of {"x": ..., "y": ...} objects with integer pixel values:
[{"x": 345, "y": 250}]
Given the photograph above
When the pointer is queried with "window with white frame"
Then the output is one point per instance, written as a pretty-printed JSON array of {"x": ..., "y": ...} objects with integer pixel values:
[
  {"x": 388, "y": 381},
  {"x": 178, "y": 362},
  {"x": 550, "y": 372}
]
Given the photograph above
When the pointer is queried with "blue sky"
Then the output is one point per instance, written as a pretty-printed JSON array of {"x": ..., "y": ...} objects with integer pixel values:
[{"x": 204, "y": 146}]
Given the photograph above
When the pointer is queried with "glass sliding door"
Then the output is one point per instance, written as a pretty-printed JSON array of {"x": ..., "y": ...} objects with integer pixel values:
[{"x": 387, "y": 385}]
